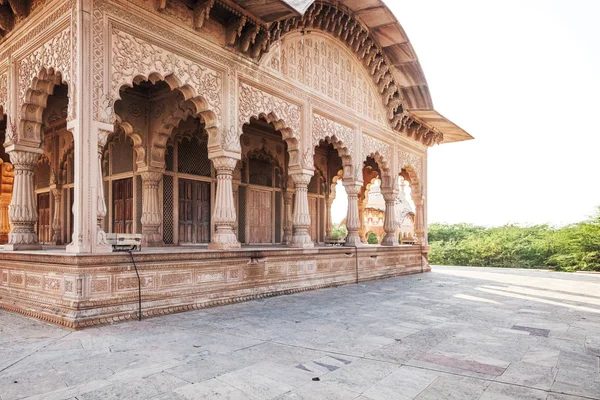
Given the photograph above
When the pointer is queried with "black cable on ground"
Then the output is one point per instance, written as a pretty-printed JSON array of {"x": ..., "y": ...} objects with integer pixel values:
[{"x": 139, "y": 287}]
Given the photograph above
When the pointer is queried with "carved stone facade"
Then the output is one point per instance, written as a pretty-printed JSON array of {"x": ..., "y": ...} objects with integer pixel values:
[{"x": 199, "y": 126}]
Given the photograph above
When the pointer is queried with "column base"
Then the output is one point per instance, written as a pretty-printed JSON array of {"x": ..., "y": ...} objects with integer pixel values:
[
  {"x": 224, "y": 239},
  {"x": 301, "y": 240},
  {"x": 390, "y": 239},
  {"x": 353, "y": 240},
  {"x": 152, "y": 240},
  {"x": 17, "y": 247}
]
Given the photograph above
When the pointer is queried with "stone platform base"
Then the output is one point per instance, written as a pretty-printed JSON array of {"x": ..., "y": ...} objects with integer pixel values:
[{"x": 77, "y": 291}]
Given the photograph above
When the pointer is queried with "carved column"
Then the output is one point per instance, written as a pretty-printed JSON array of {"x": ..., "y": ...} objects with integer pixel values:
[
  {"x": 288, "y": 225},
  {"x": 56, "y": 221},
  {"x": 4, "y": 221},
  {"x": 363, "y": 200},
  {"x": 22, "y": 210},
  {"x": 353, "y": 222},
  {"x": 151, "y": 212},
  {"x": 224, "y": 215},
  {"x": 301, "y": 219},
  {"x": 6, "y": 187},
  {"x": 329, "y": 227},
  {"x": 389, "y": 223},
  {"x": 419, "y": 222},
  {"x": 101, "y": 243}
]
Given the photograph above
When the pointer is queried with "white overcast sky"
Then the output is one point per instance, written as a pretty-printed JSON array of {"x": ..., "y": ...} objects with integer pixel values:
[{"x": 523, "y": 77}]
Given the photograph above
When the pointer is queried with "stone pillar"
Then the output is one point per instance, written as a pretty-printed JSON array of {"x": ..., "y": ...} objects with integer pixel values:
[
  {"x": 419, "y": 222},
  {"x": 56, "y": 221},
  {"x": 224, "y": 215},
  {"x": 301, "y": 219},
  {"x": 329, "y": 227},
  {"x": 22, "y": 210},
  {"x": 389, "y": 224},
  {"x": 4, "y": 221},
  {"x": 353, "y": 223},
  {"x": 101, "y": 243},
  {"x": 288, "y": 225},
  {"x": 363, "y": 200},
  {"x": 151, "y": 212}
]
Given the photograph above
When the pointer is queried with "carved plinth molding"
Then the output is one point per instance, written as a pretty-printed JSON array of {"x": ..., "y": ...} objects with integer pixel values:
[{"x": 224, "y": 215}]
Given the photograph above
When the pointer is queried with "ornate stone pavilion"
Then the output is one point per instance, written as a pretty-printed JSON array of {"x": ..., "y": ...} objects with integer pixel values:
[{"x": 216, "y": 129}]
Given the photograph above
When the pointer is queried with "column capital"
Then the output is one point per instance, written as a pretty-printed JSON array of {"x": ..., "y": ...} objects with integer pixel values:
[
  {"x": 302, "y": 178},
  {"x": 353, "y": 188},
  {"x": 224, "y": 164},
  {"x": 389, "y": 194},
  {"x": 151, "y": 177}
]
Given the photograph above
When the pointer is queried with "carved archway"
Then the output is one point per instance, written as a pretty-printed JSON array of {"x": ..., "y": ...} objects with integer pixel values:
[
  {"x": 36, "y": 100},
  {"x": 339, "y": 136},
  {"x": 287, "y": 135},
  {"x": 187, "y": 104}
]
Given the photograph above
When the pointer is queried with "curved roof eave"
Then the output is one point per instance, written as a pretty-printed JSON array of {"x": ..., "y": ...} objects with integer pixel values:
[
  {"x": 391, "y": 37},
  {"x": 387, "y": 32}
]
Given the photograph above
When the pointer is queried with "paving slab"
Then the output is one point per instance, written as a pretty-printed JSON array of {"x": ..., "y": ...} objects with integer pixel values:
[{"x": 454, "y": 333}]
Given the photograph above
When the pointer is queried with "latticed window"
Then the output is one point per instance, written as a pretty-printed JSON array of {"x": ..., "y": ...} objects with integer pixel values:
[
  {"x": 169, "y": 158},
  {"x": 122, "y": 155},
  {"x": 261, "y": 172},
  {"x": 168, "y": 207},
  {"x": 192, "y": 157}
]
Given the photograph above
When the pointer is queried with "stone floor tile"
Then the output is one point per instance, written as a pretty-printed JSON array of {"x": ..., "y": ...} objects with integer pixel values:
[
  {"x": 529, "y": 375},
  {"x": 501, "y": 391},
  {"x": 403, "y": 383},
  {"x": 209, "y": 390},
  {"x": 319, "y": 391},
  {"x": 360, "y": 375},
  {"x": 255, "y": 385},
  {"x": 452, "y": 387},
  {"x": 542, "y": 356}
]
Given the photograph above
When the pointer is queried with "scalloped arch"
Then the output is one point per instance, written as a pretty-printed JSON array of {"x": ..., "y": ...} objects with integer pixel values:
[
  {"x": 191, "y": 105},
  {"x": 287, "y": 134},
  {"x": 32, "y": 110}
]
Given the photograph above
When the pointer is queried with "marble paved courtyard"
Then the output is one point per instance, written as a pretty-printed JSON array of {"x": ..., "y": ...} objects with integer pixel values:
[{"x": 454, "y": 333}]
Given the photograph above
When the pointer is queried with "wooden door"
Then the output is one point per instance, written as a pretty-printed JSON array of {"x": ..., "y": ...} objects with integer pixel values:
[
  {"x": 202, "y": 212},
  {"x": 44, "y": 223},
  {"x": 123, "y": 206},
  {"x": 312, "y": 210},
  {"x": 186, "y": 208},
  {"x": 261, "y": 216},
  {"x": 194, "y": 211}
]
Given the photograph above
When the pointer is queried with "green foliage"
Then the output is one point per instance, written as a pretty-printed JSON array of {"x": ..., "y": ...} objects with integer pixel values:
[
  {"x": 372, "y": 238},
  {"x": 339, "y": 230},
  {"x": 572, "y": 248}
]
